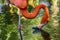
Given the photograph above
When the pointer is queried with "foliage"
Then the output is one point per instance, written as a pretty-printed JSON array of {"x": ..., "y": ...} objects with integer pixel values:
[{"x": 9, "y": 23}]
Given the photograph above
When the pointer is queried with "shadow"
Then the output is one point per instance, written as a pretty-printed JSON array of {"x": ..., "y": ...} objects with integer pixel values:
[{"x": 45, "y": 35}]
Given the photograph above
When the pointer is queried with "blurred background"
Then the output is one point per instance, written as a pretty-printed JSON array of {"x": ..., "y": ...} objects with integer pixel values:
[{"x": 9, "y": 21}]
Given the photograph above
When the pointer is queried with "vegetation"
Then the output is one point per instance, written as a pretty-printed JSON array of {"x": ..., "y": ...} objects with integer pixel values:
[{"x": 9, "y": 22}]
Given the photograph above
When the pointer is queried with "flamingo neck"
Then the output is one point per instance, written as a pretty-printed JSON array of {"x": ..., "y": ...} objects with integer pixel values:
[{"x": 33, "y": 14}]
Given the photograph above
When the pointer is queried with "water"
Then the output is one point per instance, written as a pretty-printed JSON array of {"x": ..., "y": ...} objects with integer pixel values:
[{"x": 1, "y": 5}]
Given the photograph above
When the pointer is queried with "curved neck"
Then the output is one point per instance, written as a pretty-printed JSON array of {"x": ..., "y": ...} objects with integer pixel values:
[{"x": 33, "y": 14}]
